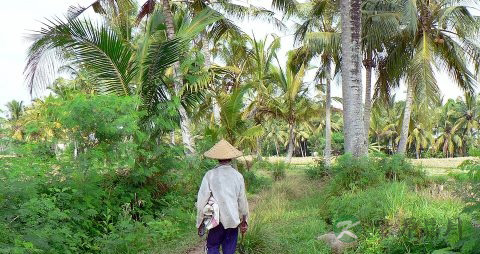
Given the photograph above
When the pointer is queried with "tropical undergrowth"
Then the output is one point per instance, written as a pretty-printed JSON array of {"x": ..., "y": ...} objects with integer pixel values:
[
  {"x": 112, "y": 188},
  {"x": 400, "y": 208}
]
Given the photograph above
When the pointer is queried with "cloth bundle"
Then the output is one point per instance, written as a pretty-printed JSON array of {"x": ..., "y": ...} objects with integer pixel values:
[{"x": 211, "y": 213}]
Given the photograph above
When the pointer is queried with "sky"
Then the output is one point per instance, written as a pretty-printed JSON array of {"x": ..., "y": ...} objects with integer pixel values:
[{"x": 19, "y": 18}]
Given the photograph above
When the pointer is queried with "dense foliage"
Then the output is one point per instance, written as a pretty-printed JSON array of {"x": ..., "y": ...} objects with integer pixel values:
[{"x": 110, "y": 161}]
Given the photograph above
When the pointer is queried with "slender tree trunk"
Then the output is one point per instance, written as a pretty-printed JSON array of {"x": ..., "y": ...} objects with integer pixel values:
[
  {"x": 327, "y": 154},
  {"x": 301, "y": 149},
  {"x": 305, "y": 148},
  {"x": 75, "y": 149},
  {"x": 391, "y": 145},
  {"x": 276, "y": 148},
  {"x": 290, "y": 148},
  {"x": 216, "y": 111},
  {"x": 402, "y": 144},
  {"x": 368, "y": 63},
  {"x": 208, "y": 64},
  {"x": 259, "y": 149},
  {"x": 184, "y": 119},
  {"x": 352, "y": 78}
]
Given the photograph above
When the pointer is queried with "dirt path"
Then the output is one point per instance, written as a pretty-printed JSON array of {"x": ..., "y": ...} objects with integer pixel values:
[{"x": 199, "y": 248}]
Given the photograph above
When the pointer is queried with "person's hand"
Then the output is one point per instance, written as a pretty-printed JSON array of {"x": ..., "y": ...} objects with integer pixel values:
[
  {"x": 243, "y": 227},
  {"x": 201, "y": 230}
]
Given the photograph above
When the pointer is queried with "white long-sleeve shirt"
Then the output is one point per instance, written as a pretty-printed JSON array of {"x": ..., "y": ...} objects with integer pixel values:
[{"x": 228, "y": 189}]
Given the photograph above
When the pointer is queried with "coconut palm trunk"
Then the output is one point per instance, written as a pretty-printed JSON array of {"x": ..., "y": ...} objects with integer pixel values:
[
  {"x": 259, "y": 148},
  {"x": 368, "y": 63},
  {"x": 208, "y": 64},
  {"x": 352, "y": 78},
  {"x": 184, "y": 118},
  {"x": 327, "y": 154},
  {"x": 402, "y": 144},
  {"x": 291, "y": 139}
]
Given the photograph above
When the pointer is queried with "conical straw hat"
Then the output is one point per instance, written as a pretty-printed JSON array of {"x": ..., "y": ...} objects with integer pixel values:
[{"x": 223, "y": 151}]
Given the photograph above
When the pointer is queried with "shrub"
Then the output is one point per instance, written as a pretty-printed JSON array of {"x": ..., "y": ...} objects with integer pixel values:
[
  {"x": 261, "y": 165},
  {"x": 408, "y": 220},
  {"x": 278, "y": 170},
  {"x": 474, "y": 151},
  {"x": 253, "y": 182},
  {"x": 397, "y": 168},
  {"x": 354, "y": 173},
  {"x": 318, "y": 171}
]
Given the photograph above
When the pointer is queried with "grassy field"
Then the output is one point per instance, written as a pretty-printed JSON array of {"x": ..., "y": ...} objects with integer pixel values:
[
  {"x": 433, "y": 166},
  {"x": 286, "y": 218},
  {"x": 441, "y": 166}
]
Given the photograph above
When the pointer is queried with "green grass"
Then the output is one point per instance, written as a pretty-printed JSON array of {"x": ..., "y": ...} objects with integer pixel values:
[
  {"x": 433, "y": 166},
  {"x": 440, "y": 167},
  {"x": 289, "y": 215},
  {"x": 286, "y": 219}
]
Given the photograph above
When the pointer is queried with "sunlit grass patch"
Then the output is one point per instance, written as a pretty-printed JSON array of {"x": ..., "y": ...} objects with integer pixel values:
[{"x": 290, "y": 212}]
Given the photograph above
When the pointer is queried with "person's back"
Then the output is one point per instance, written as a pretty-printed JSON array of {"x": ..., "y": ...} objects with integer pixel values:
[
  {"x": 228, "y": 189},
  {"x": 222, "y": 197}
]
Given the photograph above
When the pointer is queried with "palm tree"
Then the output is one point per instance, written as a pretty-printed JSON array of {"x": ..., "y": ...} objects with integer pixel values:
[
  {"x": 102, "y": 51},
  {"x": 291, "y": 106},
  {"x": 431, "y": 35},
  {"x": 350, "y": 11},
  {"x": 276, "y": 134},
  {"x": 448, "y": 139},
  {"x": 15, "y": 110},
  {"x": 385, "y": 121},
  {"x": 379, "y": 22},
  {"x": 420, "y": 132},
  {"x": 235, "y": 126},
  {"x": 218, "y": 29},
  {"x": 320, "y": 34},
  {"x": 467, "y": 121},
  {"x": 260, "y": 67}
]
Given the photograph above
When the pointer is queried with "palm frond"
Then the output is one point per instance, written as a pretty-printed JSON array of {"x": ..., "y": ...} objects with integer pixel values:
[
  {"x": 96, "y": 48},
  {"x": 198, "y": 23},
  {"x": 288, "y": 7}
]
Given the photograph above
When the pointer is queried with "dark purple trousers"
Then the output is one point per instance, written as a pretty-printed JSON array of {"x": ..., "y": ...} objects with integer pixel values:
[{"x": 227, "y": 238}]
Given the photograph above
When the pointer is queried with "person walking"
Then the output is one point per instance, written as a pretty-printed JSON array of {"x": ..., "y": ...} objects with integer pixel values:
[{"x": 222, "y": 206}]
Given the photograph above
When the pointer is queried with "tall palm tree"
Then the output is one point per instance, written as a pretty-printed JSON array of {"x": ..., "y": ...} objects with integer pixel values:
[
  {"x": 187, "y": 138},
  {"x": 379, "y": 22},
  {"x": 420, "y": 130},
  {"x": 433, "y": 33},
  {"x": 15, "y": 110},
  {"x": 320, "y": 33},
  {"x": 467, "y": 120},
  {"x": 448, "y": 138},
  {"x": 112, "y": 62},
  {"x": 352, "y": 77},
  {"x": 292, "y": 106}
]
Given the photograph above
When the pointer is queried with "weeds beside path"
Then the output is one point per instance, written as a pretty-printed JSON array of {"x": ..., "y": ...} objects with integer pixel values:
[{"x": 284, "y": 217}]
